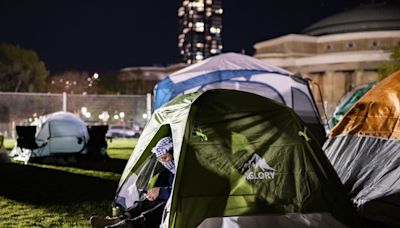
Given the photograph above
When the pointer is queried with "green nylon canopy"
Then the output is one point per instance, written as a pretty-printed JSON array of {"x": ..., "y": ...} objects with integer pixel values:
[{"x": 240, "y": 154}]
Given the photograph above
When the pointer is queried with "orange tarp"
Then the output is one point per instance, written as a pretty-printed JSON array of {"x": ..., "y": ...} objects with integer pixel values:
[{"x": 376, "y": 114}]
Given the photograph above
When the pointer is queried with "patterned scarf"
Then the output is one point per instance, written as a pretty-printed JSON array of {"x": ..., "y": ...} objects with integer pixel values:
[{"x": 162, "y": 147}]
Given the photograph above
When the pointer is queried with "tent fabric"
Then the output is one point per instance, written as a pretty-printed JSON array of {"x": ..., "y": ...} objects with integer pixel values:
[
  {"x": 295, "y": 220},
  {"x": 367, "y": 174},
  {"x": 364, "y": 150},
  {"x": 239, "y": 154},
  {"x": 376, "y": 113},
  {"x": 369, "y": 168},
  {"x": 240, "y": 72},
  {"x": 63, "y": 132},
  {"x": 347, "y": 102},
  {"x": 59, "y": 133}
]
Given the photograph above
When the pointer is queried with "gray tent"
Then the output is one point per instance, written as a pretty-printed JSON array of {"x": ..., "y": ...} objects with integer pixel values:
[{"x": 59, "y": 133}]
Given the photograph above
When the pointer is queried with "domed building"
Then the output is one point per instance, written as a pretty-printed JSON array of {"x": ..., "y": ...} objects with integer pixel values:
[{"x": 340, "y": 52}]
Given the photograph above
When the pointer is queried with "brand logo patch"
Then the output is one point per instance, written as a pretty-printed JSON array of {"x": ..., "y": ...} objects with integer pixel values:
[{"x": 257, "y": 168}]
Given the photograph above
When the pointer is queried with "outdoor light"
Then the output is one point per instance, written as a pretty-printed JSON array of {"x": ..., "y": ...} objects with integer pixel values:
[
  {"x": 104, "y": 116},
  {"x": 144, "y": 116},
  {"x": 96, "y": 75},
  {"x": 122, "y": 115},
  {"x": 87, "y": 115},
  {"x": 83, "y": 110}
]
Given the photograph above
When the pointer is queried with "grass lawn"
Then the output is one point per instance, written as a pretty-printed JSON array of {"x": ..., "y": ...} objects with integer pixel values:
[{"x": 38, "y": 195}]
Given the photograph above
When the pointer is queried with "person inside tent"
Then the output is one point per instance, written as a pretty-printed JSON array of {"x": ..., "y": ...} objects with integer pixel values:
[{"x": 147, "y": 213}]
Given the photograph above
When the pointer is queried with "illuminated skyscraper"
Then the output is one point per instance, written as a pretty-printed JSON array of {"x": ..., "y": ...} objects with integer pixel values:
[{"x": 200, "y": 27}]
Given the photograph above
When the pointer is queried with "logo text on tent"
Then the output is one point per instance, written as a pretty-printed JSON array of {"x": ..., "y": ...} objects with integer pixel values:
[
  {"x": 198, "y": 132},
  {"x": 257, "y": 168},
  {"x": 304, "y": 134}
]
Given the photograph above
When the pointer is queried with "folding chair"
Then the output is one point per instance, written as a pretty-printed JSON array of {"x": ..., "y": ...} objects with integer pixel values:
[
  {"x": 97, "y": 145},
  {"x": 26, "y": 139}
]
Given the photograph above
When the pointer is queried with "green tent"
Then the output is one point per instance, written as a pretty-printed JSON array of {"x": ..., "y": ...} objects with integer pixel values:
[{"x": 241, "y": 159}]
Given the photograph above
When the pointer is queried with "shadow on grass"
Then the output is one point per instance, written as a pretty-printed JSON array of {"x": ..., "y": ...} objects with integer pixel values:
[
  {"x": 114, "y": 165},
  {"x": 109, "y": 165},
  {"x": 43, "y": 186}
]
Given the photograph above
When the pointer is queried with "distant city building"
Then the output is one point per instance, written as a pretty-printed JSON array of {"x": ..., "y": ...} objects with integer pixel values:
[
  {"x": 200, "y": 27},
  {"x": 340, "y": 52},
  {"x": 141, "y": 80}
]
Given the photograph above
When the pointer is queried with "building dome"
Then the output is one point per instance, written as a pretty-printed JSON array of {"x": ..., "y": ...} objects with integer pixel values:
[{"x": 369, "y": 17}]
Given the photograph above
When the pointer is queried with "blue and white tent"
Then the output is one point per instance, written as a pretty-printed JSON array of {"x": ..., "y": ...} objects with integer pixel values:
[{"x": 245, "y": 73}]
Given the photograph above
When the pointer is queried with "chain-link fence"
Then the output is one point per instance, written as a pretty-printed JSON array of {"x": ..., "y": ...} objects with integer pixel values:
[{"x": 25, "y": 108}]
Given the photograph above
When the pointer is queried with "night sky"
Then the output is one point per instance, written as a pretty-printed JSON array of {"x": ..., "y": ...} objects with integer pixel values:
[{"x": 100, "y": 35}]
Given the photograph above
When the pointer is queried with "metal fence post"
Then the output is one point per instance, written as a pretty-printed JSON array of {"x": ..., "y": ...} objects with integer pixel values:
[
  {"x": 64, "y": 103},
  {"x": 148, "y": 106}
]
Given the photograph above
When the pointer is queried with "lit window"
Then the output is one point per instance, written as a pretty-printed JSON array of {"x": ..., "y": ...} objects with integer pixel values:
[
  {"x": 208, "y": 38},
  {"x": 215, "y": 30},
  {"x": 220, "y": 47},
  {"x": 196, "y": 4},
  {"x": 199, "y": 26},
  {"x": 185, "y": 3},
  {"x": 208, "y": 14},
  {"x": 181, "y": 11},
  {"x": 190, "y": 24},
  {"x": 219, "y": 11},
  {"x": 209, "y": 2},
  {"x": 199, "y": 6},
  {"x": 199, "y": 57},
  {"x": 199, "y": 45}
]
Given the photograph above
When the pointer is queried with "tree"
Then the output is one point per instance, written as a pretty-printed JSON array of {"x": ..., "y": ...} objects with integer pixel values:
[
  {"x": 392, "y": 65},
  {"x": 72, "y": 82},
  {"x": 110, "y": 83},
  {"x": 21, "y": 70}
]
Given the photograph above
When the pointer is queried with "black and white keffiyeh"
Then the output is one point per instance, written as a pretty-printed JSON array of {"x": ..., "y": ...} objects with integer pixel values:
[{"x": 162, "y": 147}]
